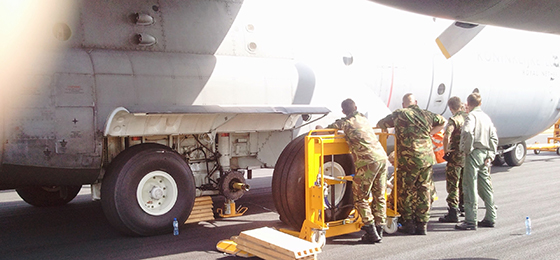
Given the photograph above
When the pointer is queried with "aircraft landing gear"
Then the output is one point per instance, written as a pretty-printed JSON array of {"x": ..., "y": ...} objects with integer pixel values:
[{"x": 516, "y": 156}]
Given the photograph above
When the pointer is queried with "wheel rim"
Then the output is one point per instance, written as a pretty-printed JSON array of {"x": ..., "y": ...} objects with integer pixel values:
[
  {"x": 334, "y": 169},
  {"x": 519, "y": 152},
  {"x": 157, "y": 193}
]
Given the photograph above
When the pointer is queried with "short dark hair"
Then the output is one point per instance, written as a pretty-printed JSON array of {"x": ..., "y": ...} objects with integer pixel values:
[
  {"x": 348, "y": 106},
  {"x": 454, "y": 103},
  {"x": 474, "y": 100},
  {"x": 406, "y": 97}
]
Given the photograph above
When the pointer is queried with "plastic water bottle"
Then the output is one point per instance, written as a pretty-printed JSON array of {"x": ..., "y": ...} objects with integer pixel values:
[
  {"x": 527, "y": 226},
  {"x": 175, "y": 227}
]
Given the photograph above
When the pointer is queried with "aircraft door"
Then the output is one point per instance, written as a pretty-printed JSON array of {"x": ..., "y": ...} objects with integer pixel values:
[
  {"x": 74, "y": 116},
  {"x": 442, "y": 82}
]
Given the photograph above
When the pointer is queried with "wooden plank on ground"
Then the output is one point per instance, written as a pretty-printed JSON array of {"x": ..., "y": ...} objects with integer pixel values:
[
  {"x": 230, "y": 247},
  {"x": 265, "y": 253},
  {"x": 280, "y": 242}
]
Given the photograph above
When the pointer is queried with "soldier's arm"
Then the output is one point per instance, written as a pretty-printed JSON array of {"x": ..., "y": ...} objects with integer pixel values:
[
  {"x": 493, "y": 142},
  {"x": 438, "y": 124},
  {"x": 447, "y": 135},
  {"x": 337, "y": 124},
  {"x": 467, "y": 134},
  {"x": 386, "y": 122}
]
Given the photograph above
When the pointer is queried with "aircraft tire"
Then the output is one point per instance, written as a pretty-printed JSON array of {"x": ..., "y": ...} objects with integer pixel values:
[
  {"x": 288, "y": 185},
  {"x": 498, "y": 160},
  {"x": 139, "y": 176},
  {"x": 279, "y": 178},
  {"x": 516, "y": 156},
  {"x": 48, "y": 196}
]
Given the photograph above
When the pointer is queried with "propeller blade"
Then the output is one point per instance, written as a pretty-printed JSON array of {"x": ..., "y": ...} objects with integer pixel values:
[{"x": 457, "y": 36}]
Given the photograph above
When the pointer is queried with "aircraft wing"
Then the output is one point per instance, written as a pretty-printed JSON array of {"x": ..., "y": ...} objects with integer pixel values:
[{"x": 538, "y": 16}]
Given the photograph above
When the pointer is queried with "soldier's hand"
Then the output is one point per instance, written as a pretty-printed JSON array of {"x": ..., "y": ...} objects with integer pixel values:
[
  {"x": 391, "y": 158},
  {"x": 488, "y": 162}
]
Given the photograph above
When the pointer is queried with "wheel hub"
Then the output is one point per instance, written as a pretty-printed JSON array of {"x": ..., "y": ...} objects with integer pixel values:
[
  {"x": 334, "y": 169},
  {"x": 519, "y": 151},
  {"x": 157, "y": 193}
]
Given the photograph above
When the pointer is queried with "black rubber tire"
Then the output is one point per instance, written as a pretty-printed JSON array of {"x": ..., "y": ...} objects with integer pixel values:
[
  {"x": 278, "y": 178},
  {"x": 536, "y": 151},
  {"x": 513, "y": 158},
  {"x": 288, "y": 185},
  {"x": 48, "y": 196},
  {"x": 118, "y": 191},
  {"x": 498, "y": 160}
]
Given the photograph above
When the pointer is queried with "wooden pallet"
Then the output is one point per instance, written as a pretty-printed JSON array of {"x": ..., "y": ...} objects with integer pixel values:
[
  {"x": 203, "y": 210},
  {"x": 269, "y": 243}
]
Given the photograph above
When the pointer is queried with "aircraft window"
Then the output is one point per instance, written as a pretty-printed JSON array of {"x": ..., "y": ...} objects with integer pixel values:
[
  {"x": 61, "y": 31},
  {"x": 441, "y": 89},
  {"x": 250, "y": 28},
  {"x": 348, "y": 59},
  {"x": 252, "y": 46}
]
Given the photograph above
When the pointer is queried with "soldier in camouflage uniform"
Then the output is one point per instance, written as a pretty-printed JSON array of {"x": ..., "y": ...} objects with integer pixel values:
[
  {"x": 455, "y": 159},
  {"x": 415, "y": 157},
  {"x": 370, "y": 160}
]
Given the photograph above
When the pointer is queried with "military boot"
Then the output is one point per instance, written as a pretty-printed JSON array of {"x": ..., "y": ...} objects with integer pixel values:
[
  {"x": 379, "y": 229},
  {"x": 421, "y": 228},
  {"x": 371, "y": 235},
  {"x": 408, "y": 227},
  {"x": 451, "y": 217}
]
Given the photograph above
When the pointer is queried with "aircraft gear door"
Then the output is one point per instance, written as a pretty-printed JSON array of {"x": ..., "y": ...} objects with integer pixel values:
[{"x": 442, "y": 83}]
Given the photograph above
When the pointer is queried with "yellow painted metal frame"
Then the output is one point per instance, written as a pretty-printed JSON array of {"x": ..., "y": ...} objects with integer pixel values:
[
  {"x": 553, "y": 143},
  {"x": 319, "y": 143}
]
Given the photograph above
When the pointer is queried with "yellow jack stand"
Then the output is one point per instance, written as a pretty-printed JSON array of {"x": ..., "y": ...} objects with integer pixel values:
[
  {"x": 314, "y": 228},
  {"x": 319, "y": 143},
  {"x": 230, "y": 210}
]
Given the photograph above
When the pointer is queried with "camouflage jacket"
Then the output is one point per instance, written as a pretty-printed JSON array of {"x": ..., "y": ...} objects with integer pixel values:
[
  {"x": 453, "y": 130},
  {"x": 412, "y": 129},
  {"x": 363, "y": 143}
]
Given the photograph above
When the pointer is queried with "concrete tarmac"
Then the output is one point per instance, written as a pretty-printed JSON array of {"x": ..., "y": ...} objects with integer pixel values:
[{"x": 79, "y": 230}]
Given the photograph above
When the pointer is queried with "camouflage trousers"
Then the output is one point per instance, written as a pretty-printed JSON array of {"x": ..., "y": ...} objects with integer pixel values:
[
  {"x": 453, "y": 182},
  {"x": 371, "y": 179},
  {"x": 415, "y": 188}
]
